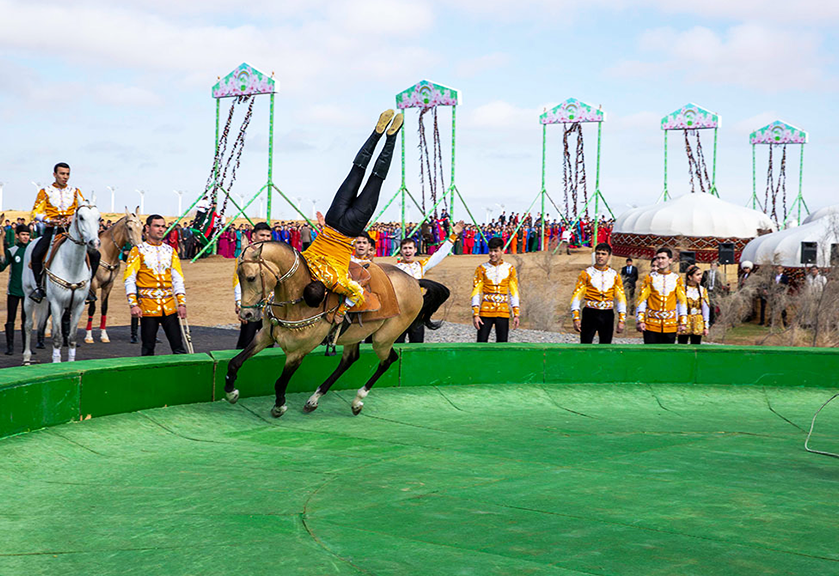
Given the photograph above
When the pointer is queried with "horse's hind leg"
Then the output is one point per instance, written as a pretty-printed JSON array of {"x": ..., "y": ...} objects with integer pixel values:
[
  {"x": 260, "y": 342},
  {"x": 103, "y": 333},
  {"x": 88, "y": 336},
  {"x": 349, "y": 357},
  {"x": 387, "y": 356},
  {"x": 28, "y": 313},
  {"x": 57, "y": 337},
  {"x": 73, "y": 332}
]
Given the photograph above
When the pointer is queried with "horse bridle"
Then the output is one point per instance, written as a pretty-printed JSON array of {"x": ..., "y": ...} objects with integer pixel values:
[
  {"x": 260, "y": 261},
  {"x": 76, "y": 224},
  {"x": 267, "y": 305}
]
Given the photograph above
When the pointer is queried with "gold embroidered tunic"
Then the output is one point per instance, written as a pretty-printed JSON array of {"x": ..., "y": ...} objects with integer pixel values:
[
  {"x": 600, "y": 290},
  {"x": 154, "y": 280},
  {"x": 53, "y": 202},
  {"x": 328, "y": 258},
  {"x": 661, "y": 302},
  {"x": 698, "y": 310},
  {"x": 419, "y": 268},
  {"x": 495, "y": 290}
]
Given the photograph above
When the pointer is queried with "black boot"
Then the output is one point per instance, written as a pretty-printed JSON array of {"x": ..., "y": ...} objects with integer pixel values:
[
  {"x": 362, "y": 159},
  {"x": 38, "y": 294},
  {"x": 91, "y": 298},
  {"x": 10, "y": 339},
  {"x": 134, "y": 324}
]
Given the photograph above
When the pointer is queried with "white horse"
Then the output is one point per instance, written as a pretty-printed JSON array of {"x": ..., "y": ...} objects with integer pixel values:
[{"x": 67, "y": 283}]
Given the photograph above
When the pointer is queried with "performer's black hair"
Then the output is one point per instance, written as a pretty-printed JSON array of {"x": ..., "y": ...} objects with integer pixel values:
[
  {"x": 406, "y": 241},
  {"x": 495, "y": 242},
  {"x": 153, "y": 217},
  {"x": 60, "y": 165},
  {"x": 664, "y": 250},
  {"x": 604, "y": 247},
  {"x": 261, "y": 226},
  {"x": 314, "y": 293}
]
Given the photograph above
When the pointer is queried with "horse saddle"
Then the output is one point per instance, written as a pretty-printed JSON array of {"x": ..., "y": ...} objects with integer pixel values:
[
  {"x": 379, "y": 296},
  {"x": 57, "y": 240}
]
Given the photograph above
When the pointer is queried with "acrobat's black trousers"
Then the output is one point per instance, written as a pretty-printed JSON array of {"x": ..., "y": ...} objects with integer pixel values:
[
  {"x": 601, "y": 322},
  {"x": 350, "y": 211},
  {"x": 415, "y": 334}
]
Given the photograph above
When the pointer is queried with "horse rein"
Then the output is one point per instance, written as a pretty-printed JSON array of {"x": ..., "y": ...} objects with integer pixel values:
[{"x": 267, "y": 305}]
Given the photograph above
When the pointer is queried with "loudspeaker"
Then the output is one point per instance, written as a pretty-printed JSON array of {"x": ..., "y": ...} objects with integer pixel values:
[
  {"x": 725, "y": 253},
  {"x": 808, "y": 252},
  {"x": 834, "y": 254},
  {"x": 686, "y": 260}
]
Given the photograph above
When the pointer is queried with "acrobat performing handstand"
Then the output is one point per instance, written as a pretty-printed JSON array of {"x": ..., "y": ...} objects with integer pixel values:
[{"x": 329, "y": 255}]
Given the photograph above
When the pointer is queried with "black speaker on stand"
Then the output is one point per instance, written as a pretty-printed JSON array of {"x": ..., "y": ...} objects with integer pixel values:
[
  {"x": 725, "y": 252},
  {"x": 687, "y": 258},
  {"x": 809, "y": 250}
]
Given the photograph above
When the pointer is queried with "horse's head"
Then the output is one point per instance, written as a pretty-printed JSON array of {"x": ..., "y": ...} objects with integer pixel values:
[
  {"x": 134, "y": 227},
  {"x": 259, "y": 275},
  {"x": 86, "y": 221}
]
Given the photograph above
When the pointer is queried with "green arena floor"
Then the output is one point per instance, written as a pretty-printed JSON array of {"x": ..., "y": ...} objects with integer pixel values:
[{"x": 467, "y": 480}]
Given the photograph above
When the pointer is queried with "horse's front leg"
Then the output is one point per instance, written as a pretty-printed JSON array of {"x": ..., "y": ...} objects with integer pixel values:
[
  {"x": 28, "y": 314},
  {"x": 88, "y": 335},
  {"x": 292, "y": 362},
  {"x": 57, "y": 337},
  {"x": 73, "y": 332},
  {"x": 260, "y": 342}
]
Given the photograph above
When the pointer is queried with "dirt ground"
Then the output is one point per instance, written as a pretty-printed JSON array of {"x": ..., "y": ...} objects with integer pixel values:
[{"x": 545, "y": 296}]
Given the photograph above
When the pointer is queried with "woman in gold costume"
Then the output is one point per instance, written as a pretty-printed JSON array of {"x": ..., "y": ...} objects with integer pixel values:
[{"x": 698, "y": 308}]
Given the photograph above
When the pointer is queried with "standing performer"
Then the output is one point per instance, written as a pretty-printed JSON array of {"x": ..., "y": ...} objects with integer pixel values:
[
  {"x": 55, "y": 206},
  {"x": 418, "y": 269},
  {"x": 362, "y": 249},
  {"x": 698, "y": 307},
  {"x": 602, "y": 289},
  {"x": 248, "y": 329},
  {"x": 14, "y": 294},
  {"x": 629, "y": 276},
  {"x": 154, "y": 284},
  {"x": 495, "y": 291},
  {"x": 328, "y": 257},
  {"x": 661, "y": 307}
]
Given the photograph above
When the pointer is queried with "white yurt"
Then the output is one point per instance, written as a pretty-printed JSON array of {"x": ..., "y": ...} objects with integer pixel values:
[
  {"x": 696, "y": 222},
  {"x": 784, "y": 247}
]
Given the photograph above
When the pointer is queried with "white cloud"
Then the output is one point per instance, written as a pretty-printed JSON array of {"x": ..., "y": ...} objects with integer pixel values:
[
  {"x": 748, "y": 125},
  {"x": 475, "y": 66},
  {"x": 756, "y": 56},
  {"x": 503, "y": 115},
  {"x": 117, "y": 94},
  {"x": 778, "y": 11}
]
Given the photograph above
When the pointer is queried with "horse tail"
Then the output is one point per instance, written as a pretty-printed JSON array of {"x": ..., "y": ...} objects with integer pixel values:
[{"x": 435, "y": 295}]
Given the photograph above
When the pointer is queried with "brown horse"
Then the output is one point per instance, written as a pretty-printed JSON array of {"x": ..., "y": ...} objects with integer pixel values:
[
  {"x": 273, "y": 276},
  {"x": 128, "y": 229}
]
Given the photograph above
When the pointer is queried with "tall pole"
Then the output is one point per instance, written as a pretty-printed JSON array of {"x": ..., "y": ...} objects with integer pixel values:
[
  {"x": 714, "y": 169},
  {"x": 543, "y": 192},
  {"x": 142, "y": 194},
  {"x": 1, "y": 195},
  {"x": 269, "y": 190},
  {"x": 754, "y": 180},
  {"x": 217, "y": 159},
  {"x": 597, "y": 188},
  {"x": 800, "y": 184},
  {"x": 454, "y": 130},
  {"x": 180, "y": 195},
  {"x": 665, "y": 167},
  {"x": 403, "y": 188}
]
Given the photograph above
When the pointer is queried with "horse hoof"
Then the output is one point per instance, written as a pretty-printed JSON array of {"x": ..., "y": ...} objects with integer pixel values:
[
  {"x": 356, "y": 410},
  {"x": 278, "y": 411},
  {"x": 232, "y": 397},
  {"x": 105, "y": 340},
  {"x": 88, "y": 339},
  {"x": 309, "y": 407}
]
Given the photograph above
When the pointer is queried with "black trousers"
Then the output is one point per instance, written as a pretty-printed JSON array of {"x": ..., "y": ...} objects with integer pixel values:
[
  {"x": 694, "y": 339},
  {"x": 350, "y": 211},
  {"x": 171, "y": 327},
  {"x": 601, "y": 322},
  {"x": 659, "y": 337},
  {"x": 414, "y": 334},
  {"x": 11, "y": 311},
  {"x": 40, "y": 250},
  {"x": 247, "y": 332},
  {"x": 502, "y": 329}
]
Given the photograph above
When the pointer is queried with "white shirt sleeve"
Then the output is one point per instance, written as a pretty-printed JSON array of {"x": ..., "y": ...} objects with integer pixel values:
[{"x": 438, "y": 256}]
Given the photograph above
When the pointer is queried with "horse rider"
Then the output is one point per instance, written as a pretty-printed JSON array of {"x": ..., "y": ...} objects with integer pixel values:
[
  {"x": 328, "y": 257},
  {"x": 55, "y": 205}
]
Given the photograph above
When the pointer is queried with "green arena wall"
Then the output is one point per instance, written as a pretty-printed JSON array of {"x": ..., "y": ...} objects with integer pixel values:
[{"x": 38, "y": 396}]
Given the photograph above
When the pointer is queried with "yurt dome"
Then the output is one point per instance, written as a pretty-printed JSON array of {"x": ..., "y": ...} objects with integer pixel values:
[
  {"x": 696, "y": 222},
  {"x": 784, "y": 247},
  {"x": 821, "y": 213}
]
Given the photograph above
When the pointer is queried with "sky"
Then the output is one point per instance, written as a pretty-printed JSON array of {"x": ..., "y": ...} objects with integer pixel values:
[{"x": 122, "y": 92}]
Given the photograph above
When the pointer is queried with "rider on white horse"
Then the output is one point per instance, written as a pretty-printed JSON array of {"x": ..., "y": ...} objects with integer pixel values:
[{"x": 54, "y": 206}]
